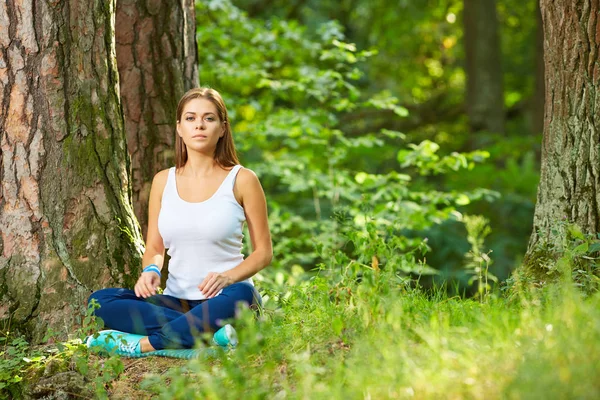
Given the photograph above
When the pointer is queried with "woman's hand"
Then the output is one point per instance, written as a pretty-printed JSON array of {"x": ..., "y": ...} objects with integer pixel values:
[
  {"x": 147, "y": 284},
  {"x": 214, "y": 282}
]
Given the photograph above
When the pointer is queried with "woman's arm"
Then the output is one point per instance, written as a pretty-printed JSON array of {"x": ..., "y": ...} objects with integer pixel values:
[
  {"x": 251, "y": 196},
  {"x": 155, "y": 248}
]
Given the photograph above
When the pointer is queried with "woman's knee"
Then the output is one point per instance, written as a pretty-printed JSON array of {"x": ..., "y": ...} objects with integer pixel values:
[
  {"x": 103, "y": 296},
  {"x": 97, "y": 297},
  {"x": 247, "y": 293}
]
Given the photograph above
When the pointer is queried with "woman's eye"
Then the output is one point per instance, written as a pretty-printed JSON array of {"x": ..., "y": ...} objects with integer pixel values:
[
  {"x": 210, "y": 119},
  {"x": 189, "y": 119}
]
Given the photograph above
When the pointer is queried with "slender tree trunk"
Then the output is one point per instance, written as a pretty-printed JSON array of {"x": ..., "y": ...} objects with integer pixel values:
[
  {"x": 485, "y": 96},
  {"x": 66, "y": 221},
  {"x": 570, "y": 174},
  {"x": 157, "y": 60}
]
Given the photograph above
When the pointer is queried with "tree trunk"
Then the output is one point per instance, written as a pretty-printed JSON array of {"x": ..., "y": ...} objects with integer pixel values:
[
  {"x": 67, "y": 225},
  {"x": 157, "y": 60},
  {"x": 570, "y": 173},
  {"x": 485, "y": 96}
]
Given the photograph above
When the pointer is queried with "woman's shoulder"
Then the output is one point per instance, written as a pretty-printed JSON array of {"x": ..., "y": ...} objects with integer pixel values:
[
  {"x": 247, "y": 183},
  {"x": 160, "y": 179},
  {"x": 246, "y": 176}
]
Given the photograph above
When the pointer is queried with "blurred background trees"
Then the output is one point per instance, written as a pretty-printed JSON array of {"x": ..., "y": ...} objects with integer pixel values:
[{"x": 375, "y": 113}]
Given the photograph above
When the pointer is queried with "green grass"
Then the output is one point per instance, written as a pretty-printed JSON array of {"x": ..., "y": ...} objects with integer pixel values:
[
  {"x": 380, "y": 338},
  {"x": 356, "y": 334}
]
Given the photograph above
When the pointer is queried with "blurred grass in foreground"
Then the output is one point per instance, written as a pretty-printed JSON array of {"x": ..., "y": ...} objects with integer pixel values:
[{"x": 376, "y": 336}]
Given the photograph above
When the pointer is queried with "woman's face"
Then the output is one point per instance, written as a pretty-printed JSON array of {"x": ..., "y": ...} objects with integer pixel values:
[{"x": 200, "y": 127}]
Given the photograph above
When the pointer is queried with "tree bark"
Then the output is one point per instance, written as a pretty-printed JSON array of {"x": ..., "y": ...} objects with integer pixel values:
[
  {"x": 570, "y": 170},
  {"x": 66, "y": 221},
  {"x": 485, "y": 96},
  {"x": 157, "y": 61}
]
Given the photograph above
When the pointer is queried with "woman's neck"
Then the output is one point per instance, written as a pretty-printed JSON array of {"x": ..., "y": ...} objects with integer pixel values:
[{"x": 199, "y": 165}]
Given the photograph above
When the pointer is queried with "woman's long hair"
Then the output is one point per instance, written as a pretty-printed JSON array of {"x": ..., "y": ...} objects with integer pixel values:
[{"x": 225, "y": 154}]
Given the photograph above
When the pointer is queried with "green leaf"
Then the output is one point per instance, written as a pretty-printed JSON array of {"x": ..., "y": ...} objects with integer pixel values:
[
  {"x": 337, "y": 325},
  {"x": 361, "y": 177},
  {"x": 594, "y": 247},
  {"x": 581, "y": 249},
  {"x": 401, "y": 111},
  {"x": 576, "y": 232},
  {"x": 462, "y": 200}
]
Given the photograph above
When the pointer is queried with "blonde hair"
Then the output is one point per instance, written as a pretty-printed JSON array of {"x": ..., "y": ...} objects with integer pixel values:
[{"x": 225, "y": 154}]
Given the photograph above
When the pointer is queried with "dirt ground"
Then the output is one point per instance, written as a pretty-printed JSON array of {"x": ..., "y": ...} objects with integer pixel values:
[{"x": 127, "y": 386}]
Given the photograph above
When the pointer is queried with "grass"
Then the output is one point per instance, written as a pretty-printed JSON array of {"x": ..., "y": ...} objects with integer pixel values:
[
  {"x": 375, "y": 336},
  {"x": 383, "y": 340}
]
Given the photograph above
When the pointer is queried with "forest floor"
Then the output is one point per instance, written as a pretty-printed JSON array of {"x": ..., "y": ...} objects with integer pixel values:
[
  {"x": 374, "y": 338},
  {"x": 128, "y": 385}
]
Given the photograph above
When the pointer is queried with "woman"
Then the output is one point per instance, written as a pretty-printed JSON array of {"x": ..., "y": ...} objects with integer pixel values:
[{"x": 196, "y": 211}]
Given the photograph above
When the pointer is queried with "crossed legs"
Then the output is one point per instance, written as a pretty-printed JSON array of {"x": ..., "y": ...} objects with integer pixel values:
[{"x": 167, "y": 321}]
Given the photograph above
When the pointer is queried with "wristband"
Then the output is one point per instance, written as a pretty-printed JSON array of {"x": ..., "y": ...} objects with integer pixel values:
[{"x": 152, "y": 268}]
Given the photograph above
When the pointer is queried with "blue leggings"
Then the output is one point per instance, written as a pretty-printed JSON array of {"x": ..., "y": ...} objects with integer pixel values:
[{"x": 170, "y": 322}]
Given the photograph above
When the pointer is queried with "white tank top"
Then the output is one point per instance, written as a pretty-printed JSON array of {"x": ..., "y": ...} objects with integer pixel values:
[{"x": 200, "y": 237}]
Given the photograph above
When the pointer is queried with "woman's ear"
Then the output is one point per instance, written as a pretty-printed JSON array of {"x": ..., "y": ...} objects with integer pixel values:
[{"x": 177, "y": 129}]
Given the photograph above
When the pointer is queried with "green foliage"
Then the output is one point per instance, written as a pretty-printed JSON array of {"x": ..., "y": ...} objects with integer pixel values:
[
  {"x": 511, "y": 171},
  {"x": 424, "y": 156},
  {"x": 23, "y": 365},
  {"x": 361, "y": 332},
  {"x": 518, "y": 26},
  {"x": 287, "y": 91},
  {"x": 420, "y": 43},
  {"x": 12, "y": 363},
  {"x": 478, "y": 262},
  {"x": 419, "y": 63}
]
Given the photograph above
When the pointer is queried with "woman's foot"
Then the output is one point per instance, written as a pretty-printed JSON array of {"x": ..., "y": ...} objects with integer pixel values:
[
  {"x": 121, "y": 343},
  {"x": 145, "y": 345},
  {"x": 226, "y": 337}
]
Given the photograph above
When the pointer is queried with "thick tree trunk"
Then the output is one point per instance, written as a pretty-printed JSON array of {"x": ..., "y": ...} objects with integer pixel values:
[
  {"x": 157, "y": 61},
  {"x": 66, "y": 221},
  {"x": 485, "y": 96},
  {"x": 570, "y": 174}
]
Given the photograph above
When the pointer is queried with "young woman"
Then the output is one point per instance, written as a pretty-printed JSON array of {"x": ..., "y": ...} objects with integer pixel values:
[{"x": 196, "y": 211}]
